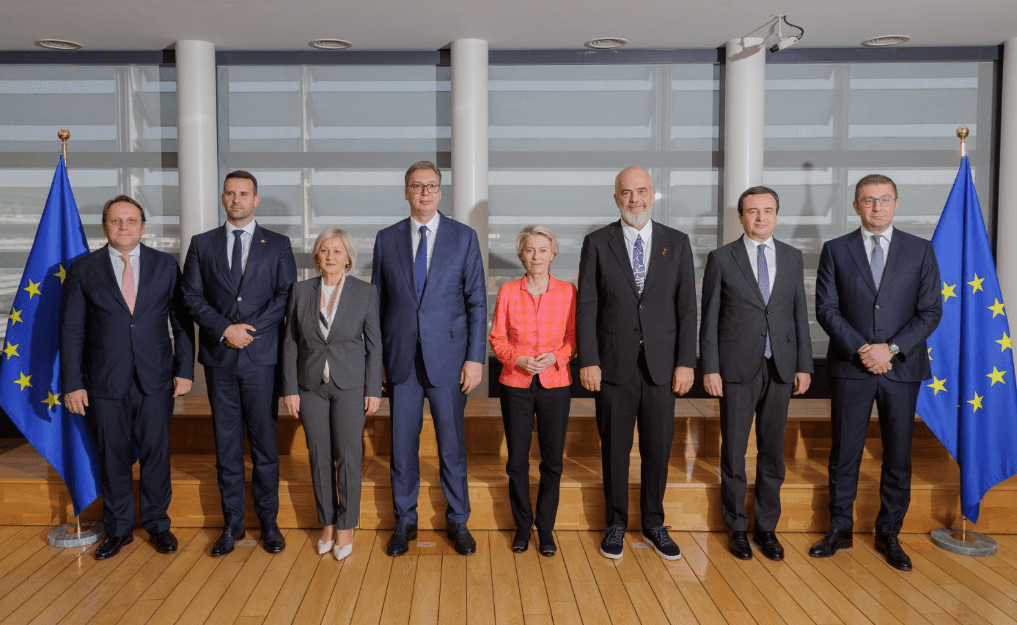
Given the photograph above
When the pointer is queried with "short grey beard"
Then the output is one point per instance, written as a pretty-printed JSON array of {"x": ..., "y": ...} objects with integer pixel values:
[{"x": 634, "y": 220}]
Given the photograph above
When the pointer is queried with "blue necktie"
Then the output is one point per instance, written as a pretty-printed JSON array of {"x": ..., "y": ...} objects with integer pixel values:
[
  {"x": 877, "y": 261},
  {"x": 763, "y": 272},
  {"x": 237, "y": 262},
  {"x": 420, "y": 262},
  {"x": 638, "y": 266}
]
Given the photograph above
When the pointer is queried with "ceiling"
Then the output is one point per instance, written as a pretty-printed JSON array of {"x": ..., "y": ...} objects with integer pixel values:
[{"x": 506, "y": 24}]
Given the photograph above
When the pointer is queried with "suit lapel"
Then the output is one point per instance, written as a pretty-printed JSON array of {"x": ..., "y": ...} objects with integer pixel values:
[
  {"x": 311, "y": 323},
  {"x": 147, "y": 264},
  {"x": 222, "y": 261},
  {"x": 256, "y": 254},
  {"x": 741, "y": 258},
  {"x": 781, "y": 280},
  {"x": 439, "y": 257},
  {"x": 404, "y": 249},
  {"x": 893, "y": 258},
  {"x": 342, "y": 308},
  {"x": 616, "y": 241},
  {"x": 107, "y": 276},
  {"x": 856, "y": 247},
  {"x": 658, "y": 246}
]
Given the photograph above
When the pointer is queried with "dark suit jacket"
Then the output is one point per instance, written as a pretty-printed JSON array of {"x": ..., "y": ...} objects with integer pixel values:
[
  {"x": 259, "y": 300},
  {"x": 905, "y": 310},
  {"x": 611, "y": 317},
  {"x": 735, "y": 320},
  {"x": 352, "y": 347},
  {"x": 450, "y": 318},
  {"x": 103, "y": 346}
]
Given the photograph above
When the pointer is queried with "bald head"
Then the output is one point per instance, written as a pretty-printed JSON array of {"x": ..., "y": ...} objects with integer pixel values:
[{"x": 634, "y": 195}]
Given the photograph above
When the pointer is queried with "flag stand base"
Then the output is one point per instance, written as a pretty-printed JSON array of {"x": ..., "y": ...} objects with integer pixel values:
[
  {"x": 967, "y": 543},
  {"x": 67, "y": 535}
]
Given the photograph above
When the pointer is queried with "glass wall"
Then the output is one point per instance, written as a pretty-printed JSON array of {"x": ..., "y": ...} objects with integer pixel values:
[
  {"x": 828, "y": 125},
  {"x": 123, "y": 140}
]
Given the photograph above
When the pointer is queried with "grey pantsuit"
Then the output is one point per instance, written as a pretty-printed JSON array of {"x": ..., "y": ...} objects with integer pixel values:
[{"x": 332, "y": 412}]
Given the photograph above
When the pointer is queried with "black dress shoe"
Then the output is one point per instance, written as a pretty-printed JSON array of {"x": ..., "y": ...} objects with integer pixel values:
[
  {"x": 164, "y": 541},
  {"x": 461, "y": 538},
  {"x": 545, "y": 541},
  {"x": 522, "y": 541},
  {"x": 827, "y": 546},
  {"x": 739, "y": 546},
  {"x": 271, "y": 538},
  {"x": 224, "y": 544},
  {"x": 111, "y": 546},
  {"x": 769, "y": 544},
  {"x": 399, "y": 542},
  {"x": 889, "y": 545}
]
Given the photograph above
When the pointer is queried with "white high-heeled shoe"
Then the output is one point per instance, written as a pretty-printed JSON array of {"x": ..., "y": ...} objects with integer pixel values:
[
  {"x": 324, "y": 547},
  {"x": 342, "y": 552}
]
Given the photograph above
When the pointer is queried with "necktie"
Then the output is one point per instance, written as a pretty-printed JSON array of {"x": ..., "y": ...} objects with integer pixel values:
[
  {"x": 237, "y": 261},
  {"x": 127, "y": 283},
  {"x": 420, "y": 262},
  {"x": 638, "y": 265},
  {"x": 877, "y": 261},
  {"x": 763, "y": 277}
]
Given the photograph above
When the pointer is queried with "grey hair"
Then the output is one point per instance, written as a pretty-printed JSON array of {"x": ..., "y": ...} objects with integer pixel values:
[
  {"x": 534, "y": 230},
  {"x": 332, "y": 233}
]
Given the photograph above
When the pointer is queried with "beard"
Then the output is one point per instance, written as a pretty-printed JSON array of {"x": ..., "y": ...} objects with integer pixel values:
[{"x": 635, "y": 220}]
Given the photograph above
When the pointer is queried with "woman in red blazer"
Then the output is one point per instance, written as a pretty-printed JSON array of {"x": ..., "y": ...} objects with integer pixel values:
[{"x": 534, "y": 336}]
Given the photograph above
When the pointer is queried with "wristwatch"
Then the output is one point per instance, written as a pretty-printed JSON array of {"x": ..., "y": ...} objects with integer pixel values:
[{"x": 894, "y": 350}]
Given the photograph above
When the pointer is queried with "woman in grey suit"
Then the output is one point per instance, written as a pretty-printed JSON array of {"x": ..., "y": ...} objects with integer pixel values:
[{"x": 332, "y": 380}]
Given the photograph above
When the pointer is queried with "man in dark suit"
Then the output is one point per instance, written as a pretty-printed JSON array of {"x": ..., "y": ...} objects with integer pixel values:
[
  {"x": 636, "y": 332},
  {"x": 755, "y": 351},
  {"x": 878, "y": 297},
  {"x": 236, "y": 281},
  {"x": 433, "y": 298},
  {"x": 116, "y": 353}
]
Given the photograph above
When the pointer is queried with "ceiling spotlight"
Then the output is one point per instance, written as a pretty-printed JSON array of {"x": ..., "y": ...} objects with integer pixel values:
[
  {"x": 605, "y": 43},
  {"x": 330, "y": 44},
  {"x": 58, "y": 44},
  {"x": 889, "y": 40},
  {"x": 786, "y": 42}
]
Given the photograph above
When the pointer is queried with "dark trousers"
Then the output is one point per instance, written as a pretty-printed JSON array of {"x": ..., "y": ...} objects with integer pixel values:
[
  {"x": 120, "y": 424},
  {"x": 243, "y": 396},
  {"x": 850, "y": 412},
  {"x": 767, "y": 397},
  {"x": 333, "y": 420},
  {"x": 447, "y": 406},
  {"x": 550, "y": 406},
  {"x": 650, "y": 407}
]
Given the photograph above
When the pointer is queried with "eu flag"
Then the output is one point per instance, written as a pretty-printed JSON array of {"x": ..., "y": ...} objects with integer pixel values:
[
  {"x": 30, "y": 391},
  {"x": 971, "y": 402}
]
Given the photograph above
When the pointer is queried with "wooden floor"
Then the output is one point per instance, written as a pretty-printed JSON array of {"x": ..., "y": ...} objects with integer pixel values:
[{"x": 431, "y": 584}]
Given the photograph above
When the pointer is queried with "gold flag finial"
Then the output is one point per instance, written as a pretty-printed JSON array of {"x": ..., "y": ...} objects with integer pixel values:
[
  {"x": 63, "y": 134},
  {"x": 962, "y": 134}
]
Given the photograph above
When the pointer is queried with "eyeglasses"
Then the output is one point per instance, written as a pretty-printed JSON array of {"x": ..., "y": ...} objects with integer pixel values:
[
  {"x": 418, "y": 188},
  {"x": 869, "y": 202},
  {"x": 116, "y": 222}
]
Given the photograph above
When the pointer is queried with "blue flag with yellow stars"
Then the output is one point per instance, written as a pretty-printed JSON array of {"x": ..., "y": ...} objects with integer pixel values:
[
  {"x": 30, "y": 391},
  {"x": 971, "y": 402}
]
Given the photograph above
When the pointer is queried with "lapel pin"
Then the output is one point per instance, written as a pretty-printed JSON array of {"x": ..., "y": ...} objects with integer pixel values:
[
  {"x": 664, "y": 251},
  {"x": 263, "y": 240}
]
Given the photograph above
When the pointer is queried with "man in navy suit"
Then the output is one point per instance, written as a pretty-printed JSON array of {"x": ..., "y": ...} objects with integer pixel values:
[
  {"x": 430, "y": 279},
  {"x": 117, "y": 356},
  {"x": 878, "y": 297},
  {"x": 756, "y": 351},
  {"x": 236, "y": 281},
  {"x": 636, "y": 333}
]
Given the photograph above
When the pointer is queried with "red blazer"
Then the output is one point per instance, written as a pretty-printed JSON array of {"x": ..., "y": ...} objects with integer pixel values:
[{"x": 524, "y": 325}]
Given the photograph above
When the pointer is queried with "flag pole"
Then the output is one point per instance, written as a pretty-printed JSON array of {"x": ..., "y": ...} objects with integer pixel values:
[
  {"x": 963, "y": 542},
  {"x": 71, "y": 535}
]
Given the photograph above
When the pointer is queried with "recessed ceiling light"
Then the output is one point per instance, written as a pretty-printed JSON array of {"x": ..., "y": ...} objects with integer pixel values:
[
  {"x": 330, "y": 44},
  {"x": 58, "y": 44},
  {"x": 889, "y": 40},
  {"x": 606, "y": 43}
]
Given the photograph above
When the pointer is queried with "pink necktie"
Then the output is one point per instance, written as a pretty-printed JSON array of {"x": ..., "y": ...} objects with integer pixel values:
[{"x": 127, "y": 284}]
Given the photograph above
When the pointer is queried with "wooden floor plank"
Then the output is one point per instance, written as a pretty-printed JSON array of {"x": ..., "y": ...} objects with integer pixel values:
[
  {"x": 371, "y": 598},
  {"x": 616, "y": 599},
  {"x": 655, "y": 570},
  {"x": 23, "y": 545},
  {"x": 27, "y": 568},
  {"x": 798, "y": 589},
  {"x": 321, "y": 588},
  {"x": 680, "y": 572},
  {"x": 184, "y": 588},
  {"x": 902, "y": 585},
  {"x": 735, "y": 572},
  {"x": 801, "y": 564},
  {"x": 399, "y": 597},
  {"x": 508, "y": 606},
  {"x": 131, "y": 591},
  {"x": 292, "y": 592},
  {"x": 236, "y": 596},
  {"x": 426, "y": 586},
  {"x": 452, "y": 597},
  {"x": 267, "y": 591},
  {"x": 346, "y": 595},
  {"x": 763, "y": 573},
  {"x": 638, "y": 589},
  {"x": 140, "y": 612},
  {"x": 42, "y": 577},
  {"x": 480, "y": 583},
  {"x": 582, "y": 581},
  {"x": 695, "y": 555},
  {"x": 532, "y": 591},
  {"x": 978, "y": 567},
  {"x": 188, "y": 553}
]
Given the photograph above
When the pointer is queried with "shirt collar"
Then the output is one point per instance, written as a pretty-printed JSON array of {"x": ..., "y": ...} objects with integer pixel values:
[
  {"x": 886, "y": 234},
  {"x": 136, "y": 252},
  {"x": 249, "y": 228},
  {"x": 751, "y": 245},
  {"x": 432, "y": 225},
  {"x": 630, "y": 233}
]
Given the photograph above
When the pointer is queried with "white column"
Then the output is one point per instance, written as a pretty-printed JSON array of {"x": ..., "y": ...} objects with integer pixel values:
[
  {"x": 743, "y": 126},
  {"x": 196, "y": 136},
  {"x": 469, "y": 144},
  {"x": 1006, "y": 223}
]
